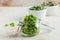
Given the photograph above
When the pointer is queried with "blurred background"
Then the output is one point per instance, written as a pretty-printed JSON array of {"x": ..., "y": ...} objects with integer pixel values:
[{"x": 23, "y": 2}]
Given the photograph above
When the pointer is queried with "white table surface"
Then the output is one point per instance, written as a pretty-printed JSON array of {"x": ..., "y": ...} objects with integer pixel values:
[{"x": 13, "y": 14}]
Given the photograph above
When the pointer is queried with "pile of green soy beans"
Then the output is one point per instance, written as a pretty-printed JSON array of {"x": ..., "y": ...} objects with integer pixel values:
[
  {"x": 38, "y": 7},
  {"x": 51, "y": 4},
  {"x": 29, "y": 26}
]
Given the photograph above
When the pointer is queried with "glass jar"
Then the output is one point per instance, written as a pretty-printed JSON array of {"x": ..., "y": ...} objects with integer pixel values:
[{"x": 29, "y": 28}]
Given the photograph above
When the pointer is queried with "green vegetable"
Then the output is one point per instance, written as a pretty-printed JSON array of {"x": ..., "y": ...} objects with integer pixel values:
[
  {"x": 12, "y": 24},
  {"x": 30, "y": 30},
  {"x": 29, "y": 26},
  {"x": 30, "y": 18},
  {"x": 39, "y": 7},
  {"x": 6, "y": 24},
  {"x": 51, "y": 4}
]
